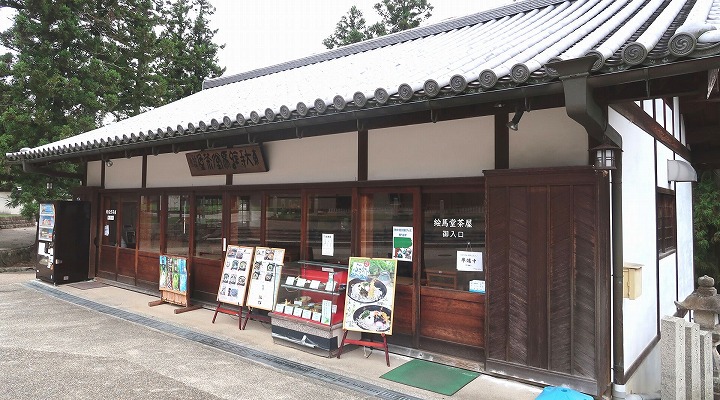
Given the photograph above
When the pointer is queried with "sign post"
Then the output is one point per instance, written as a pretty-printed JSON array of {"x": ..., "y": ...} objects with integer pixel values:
[
  {"x": 174, "y": 279},
  {"x": 369, "y": 301},
  {"x": 264, "y": 281},
  {"x": 234, "y": 281}
]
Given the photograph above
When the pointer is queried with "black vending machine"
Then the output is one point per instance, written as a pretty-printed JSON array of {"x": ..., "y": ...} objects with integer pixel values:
[{"x": 63, "y": 241}]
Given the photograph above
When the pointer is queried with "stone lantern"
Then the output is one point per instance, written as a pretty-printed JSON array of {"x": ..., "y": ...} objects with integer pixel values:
[{"x": 704, "y": 303}]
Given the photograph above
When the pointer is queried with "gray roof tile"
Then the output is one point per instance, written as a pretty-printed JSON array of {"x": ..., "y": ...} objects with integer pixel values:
[{"x": 491, "y": 50}]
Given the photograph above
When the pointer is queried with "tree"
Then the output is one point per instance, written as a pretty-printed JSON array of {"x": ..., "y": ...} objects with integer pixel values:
[
  {"x": 350, "y": 29},
  {"x": 400, "y": 15},
  {"x": 76, "y": 63},
  {"x": 55, "y": 86},
  {"x": 189, "y": 54},
  {"x": 706, "y": 224},
  {"x": 396, "y": 16}
]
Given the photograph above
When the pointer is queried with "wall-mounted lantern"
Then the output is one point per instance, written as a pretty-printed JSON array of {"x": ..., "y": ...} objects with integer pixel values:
[{"x": 605, "y": 156}]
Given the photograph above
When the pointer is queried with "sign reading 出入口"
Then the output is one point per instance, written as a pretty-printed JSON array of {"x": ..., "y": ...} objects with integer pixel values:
[{"x": 236, "y": 160}]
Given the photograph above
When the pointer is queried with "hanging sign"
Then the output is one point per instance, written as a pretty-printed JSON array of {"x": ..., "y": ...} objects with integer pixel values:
[
  {"x": 370, "y": 295},
  {"x": 402, "y": 243},
  {"x": 233, "y": 281},
  {"x": 237, "y": 160},
  {"x": 469, "y": 261},
  {"x": 265, "y": 277}
]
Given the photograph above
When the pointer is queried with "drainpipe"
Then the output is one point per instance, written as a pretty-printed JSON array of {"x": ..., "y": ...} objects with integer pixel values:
[{"x": 581, "y": 107}]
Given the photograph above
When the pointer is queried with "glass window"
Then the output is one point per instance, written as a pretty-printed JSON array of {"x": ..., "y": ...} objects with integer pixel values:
[
  {"x": 330, "y": 216},
  {"x": 129, "y": 214},
  {"x": 666, "y": 231},
  {"x": 109, "y": 235},
  {"x": 381, "y": 212},
  {"x": 208, "y": 226},
  {"x": 149, "y": 232},
  {"x": 178, "y": 225},
  {"x": 283, "y": 224},
  {"x": 452, "y": 223},
  {"x": 245, "y": 220}
]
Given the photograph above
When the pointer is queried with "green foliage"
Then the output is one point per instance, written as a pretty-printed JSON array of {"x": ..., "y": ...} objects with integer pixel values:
[
  {"x": 75, "y": 64},
  {"x": 396, "y": 16},
  {"x": 350, "y": 29},
  {"x": 190, "y": 54},
  {"x": 400, "y": 15},
  {"x": 706, "y": 224}
]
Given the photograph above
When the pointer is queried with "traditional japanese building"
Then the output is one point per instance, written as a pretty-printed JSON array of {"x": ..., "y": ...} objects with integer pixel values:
[{"x": 480, "y": 133}]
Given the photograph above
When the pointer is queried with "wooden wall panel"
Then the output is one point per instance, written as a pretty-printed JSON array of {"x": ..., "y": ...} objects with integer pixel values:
[
  {"x": 560, "y": 258},
  {"x": 403, "y": 310},
  {"x": 517, "y": 335},
  {"x": 126, "y": 263},
  {"x": 547, "y": 275},
  {"x": 106, "y": 262},
  {"x": 454, "y": 317},
  {"x": 148, "y": 267},
  {"x": 497, "y": 298},
  {"x": 205, "y": 278}
]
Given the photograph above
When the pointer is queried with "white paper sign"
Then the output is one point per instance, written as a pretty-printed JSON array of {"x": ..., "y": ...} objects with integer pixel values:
[
  {"x": 469, "y": 261},
  {"x": 290, "y": 280},
  {"x": 477, "y": 286},
  {"x": 328, "y": 244},
  {"x": 326, "y": 312},
  {"x": 314, "y": 284}
]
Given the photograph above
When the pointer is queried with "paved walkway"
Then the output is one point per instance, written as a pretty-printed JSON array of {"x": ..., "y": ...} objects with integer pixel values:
[{"x": 356, "y": 375}]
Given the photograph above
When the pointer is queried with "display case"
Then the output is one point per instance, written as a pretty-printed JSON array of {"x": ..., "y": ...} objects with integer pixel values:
[{"x": 309, "y": 309}]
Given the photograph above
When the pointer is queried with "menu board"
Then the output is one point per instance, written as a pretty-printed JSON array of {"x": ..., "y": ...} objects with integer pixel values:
[
  {"x": 47, "y": 222},
  {"x": 173, "y": 274},
  {"x": 233, "y": 281},
  {"x": 370, "y": 295},
  {"x": 265, "y": 277}
]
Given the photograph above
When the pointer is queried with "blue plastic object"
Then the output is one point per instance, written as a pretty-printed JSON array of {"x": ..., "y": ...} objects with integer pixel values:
[{"x": 561, "y": 393}]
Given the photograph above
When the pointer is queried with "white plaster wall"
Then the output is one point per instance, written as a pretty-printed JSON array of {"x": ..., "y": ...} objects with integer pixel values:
[
  {"x": 668, "y": 285},
  {"x": 4, "y": 208},
  {"x": 663, "y": 155},
  {"x": 683, "y": 210},
  {"x": 330, "y": 158},
  {"x": 548, "y": 138},
  {"x": 94, "y": 173},
  {"x": 171, "y": 170},
  {"x": 639, "y": 230},
  {"x": 125, "y": 173},
  {"x": 445, "y": 149}
]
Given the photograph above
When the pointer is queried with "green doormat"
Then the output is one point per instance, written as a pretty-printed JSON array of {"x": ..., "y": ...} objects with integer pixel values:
[{"x": 431, "y": 376}]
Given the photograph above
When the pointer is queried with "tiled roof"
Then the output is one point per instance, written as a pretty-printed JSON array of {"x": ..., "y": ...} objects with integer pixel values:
[{"x": 484, "y": 52}]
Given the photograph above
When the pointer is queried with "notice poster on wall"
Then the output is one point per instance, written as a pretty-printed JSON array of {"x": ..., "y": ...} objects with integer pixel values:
[
  {"x": 233, "y": 280},
  {"x": 370, "y": 295},
  {"x": 402, "y": 243},
  {"x": 265, "y": 278}
]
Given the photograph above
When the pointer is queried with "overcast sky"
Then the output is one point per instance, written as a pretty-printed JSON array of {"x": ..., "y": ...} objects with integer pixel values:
[{"x": 259, "y": 33}]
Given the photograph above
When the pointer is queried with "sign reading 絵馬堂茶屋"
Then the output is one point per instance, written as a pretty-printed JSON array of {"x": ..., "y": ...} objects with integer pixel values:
[{"x": 236, "y": 160}]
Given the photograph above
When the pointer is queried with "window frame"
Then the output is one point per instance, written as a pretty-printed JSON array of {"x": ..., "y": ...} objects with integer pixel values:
[{"x": 666, "y": 222}]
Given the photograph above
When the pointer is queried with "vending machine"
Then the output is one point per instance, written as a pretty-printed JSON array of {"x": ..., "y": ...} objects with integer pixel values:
[{"x": 63, "y": 241}]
